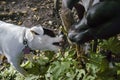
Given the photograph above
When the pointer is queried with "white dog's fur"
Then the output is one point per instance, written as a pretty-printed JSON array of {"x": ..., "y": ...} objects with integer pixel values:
[{"x": 11, "y": 42}]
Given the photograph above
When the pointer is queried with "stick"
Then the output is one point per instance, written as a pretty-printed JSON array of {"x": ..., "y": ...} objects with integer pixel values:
[
  {"x": 67, "y": 21},
  {"x": 67, "y": 18}
]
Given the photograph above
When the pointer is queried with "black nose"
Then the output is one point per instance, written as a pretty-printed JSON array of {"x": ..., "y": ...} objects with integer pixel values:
[
  {"x": 78, "y": 38},
  {"x": 71, "y": 36}
]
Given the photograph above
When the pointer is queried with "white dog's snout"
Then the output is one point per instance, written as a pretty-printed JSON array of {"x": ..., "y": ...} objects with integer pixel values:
[{"x": 59, "y": 41}]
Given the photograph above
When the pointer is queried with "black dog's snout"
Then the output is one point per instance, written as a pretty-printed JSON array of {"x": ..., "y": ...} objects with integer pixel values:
[{"x": 71, "y": 36}]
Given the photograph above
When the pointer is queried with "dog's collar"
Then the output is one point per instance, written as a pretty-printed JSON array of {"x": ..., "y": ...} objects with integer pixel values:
[
  {"x": 26, "y": 49},
  {"x": 25, "y": 41}
]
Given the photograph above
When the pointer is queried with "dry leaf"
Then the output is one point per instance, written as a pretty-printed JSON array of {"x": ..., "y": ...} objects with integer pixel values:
[{"x": 34, "y": 9}]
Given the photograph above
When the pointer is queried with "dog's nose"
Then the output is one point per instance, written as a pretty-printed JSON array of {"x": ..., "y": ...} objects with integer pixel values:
[{"x": 71, "y": 36}]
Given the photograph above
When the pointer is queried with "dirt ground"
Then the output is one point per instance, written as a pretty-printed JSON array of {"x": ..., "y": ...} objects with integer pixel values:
[{"x": 29, "y": 13}]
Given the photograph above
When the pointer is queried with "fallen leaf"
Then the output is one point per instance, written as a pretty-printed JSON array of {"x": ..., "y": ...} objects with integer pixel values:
[{"x": 34, "y": 9}]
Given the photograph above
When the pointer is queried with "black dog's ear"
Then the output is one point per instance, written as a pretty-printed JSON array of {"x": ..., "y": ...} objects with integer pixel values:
[
  {"x": 69, "y": 3},
  {"x": 48, "y": 32},
  {"x": 80, "y": 10}
]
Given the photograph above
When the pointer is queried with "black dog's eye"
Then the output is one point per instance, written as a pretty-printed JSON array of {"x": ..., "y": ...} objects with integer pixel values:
[{"x": 35, "y": 33}]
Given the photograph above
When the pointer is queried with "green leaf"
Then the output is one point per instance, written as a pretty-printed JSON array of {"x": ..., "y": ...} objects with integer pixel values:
[{"x": 112, "y": 44}]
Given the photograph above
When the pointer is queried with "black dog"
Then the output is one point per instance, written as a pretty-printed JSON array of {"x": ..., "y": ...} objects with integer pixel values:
[{"x": 102, "y": 21}]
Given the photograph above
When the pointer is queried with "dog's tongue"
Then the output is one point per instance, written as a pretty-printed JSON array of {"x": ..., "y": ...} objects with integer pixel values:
[{"x": 26, "y": 50}]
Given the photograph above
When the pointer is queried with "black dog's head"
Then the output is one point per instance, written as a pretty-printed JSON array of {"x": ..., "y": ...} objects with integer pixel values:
[
  {"x": 80, "y": 32},
  {"x": 101, "y": 22}
]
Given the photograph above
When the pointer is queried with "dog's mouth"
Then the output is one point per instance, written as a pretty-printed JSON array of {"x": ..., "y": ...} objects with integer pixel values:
[
  {"x": 61, "y": 42},
  {"x": 58, "y": 44}
]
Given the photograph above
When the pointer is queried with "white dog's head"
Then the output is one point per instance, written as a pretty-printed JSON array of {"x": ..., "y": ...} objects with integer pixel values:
[{"x": 43, "y": 39}]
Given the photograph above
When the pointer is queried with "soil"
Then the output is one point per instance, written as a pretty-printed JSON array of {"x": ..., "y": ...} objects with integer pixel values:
[{"x": 29, "y": 13}]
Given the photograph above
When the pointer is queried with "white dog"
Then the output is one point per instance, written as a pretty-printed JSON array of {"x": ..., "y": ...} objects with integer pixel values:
[{"x": 15, "y": 39}]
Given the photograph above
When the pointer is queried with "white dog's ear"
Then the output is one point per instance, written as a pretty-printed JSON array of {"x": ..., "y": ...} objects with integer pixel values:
[
  {"x": 29, "y": 35},
  {"x": 37, "y": 30}
]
